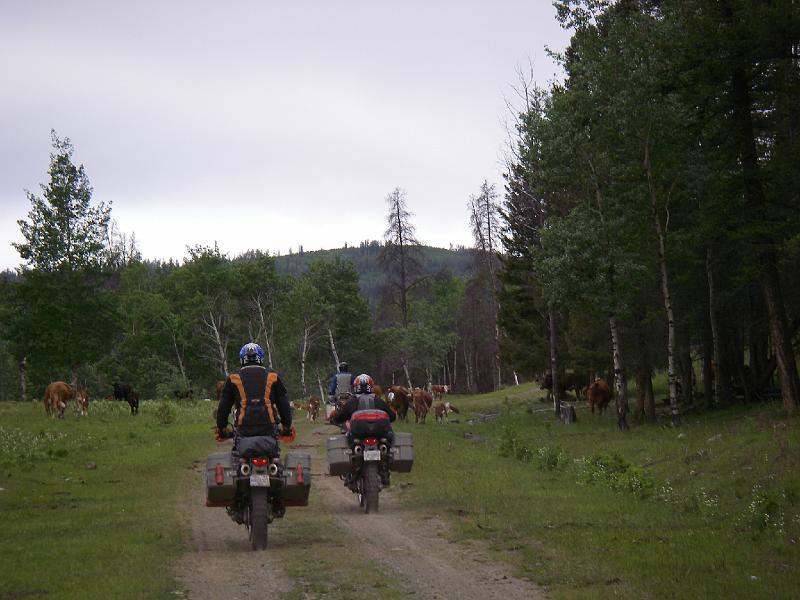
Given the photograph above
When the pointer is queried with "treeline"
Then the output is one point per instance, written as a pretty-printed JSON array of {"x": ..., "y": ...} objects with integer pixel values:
[
  {"x": 85, "y": 308},
  {"x": 652, "y": 203}
]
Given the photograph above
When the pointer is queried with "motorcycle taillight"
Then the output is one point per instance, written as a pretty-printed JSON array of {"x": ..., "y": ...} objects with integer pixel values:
[
  {"x": 371, "y": 441},
  {"x": 260, "y": 462}
]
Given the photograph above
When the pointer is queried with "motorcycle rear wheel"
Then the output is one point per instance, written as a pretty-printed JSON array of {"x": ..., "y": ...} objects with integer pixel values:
[
  {"x": 259, "y": 517},
  {"x": 371, "y": 487}
]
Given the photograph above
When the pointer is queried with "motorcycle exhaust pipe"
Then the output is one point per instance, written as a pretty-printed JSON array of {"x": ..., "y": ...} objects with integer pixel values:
[
  {"x": 245, "y": 469},
  {"x": 358, "y": 450},
  {"x": 384, "y": 449},
  {"x": 273, "y": 469}
]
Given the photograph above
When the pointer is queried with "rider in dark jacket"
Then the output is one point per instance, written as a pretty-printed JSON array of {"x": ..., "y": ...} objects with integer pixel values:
[
  {"x": 364, "y": 399},
  {"x": 259, "y": 397}
]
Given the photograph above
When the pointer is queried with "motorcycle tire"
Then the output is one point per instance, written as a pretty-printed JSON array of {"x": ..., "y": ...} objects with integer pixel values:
[
  {"x": 371, "y": 487},
  {"x": 259, "y": 518}
]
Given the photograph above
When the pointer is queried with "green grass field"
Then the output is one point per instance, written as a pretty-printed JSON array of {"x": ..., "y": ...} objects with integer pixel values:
[
  {"x": 94, "y": 507},
  {"x": 708, "y": 510},
  {"x": 91, "y": 506}
]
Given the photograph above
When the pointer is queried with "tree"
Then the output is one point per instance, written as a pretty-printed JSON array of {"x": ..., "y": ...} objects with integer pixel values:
[
  {"x": 399, "y": 259},
  {"x": 61, "y": 296},
  {"x": 485, "y": 220}
]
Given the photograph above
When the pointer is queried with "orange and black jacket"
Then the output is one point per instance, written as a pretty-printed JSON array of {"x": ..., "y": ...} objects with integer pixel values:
[{"x": 260, "y": 399}]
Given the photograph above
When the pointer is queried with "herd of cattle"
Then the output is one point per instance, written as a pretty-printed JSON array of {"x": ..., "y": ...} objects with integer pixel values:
[
  {"x": 402, "y": 399},
  {"x": 420, "y": 401}
]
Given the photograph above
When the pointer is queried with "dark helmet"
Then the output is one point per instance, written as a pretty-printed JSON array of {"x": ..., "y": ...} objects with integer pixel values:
[
  {"x": 343, "y": 367},
  {"x": 251, "y": 353},
  {"x": 363, "y": 384}
]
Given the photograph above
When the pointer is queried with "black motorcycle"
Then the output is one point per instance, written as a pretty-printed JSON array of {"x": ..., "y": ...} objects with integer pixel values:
[{"x": 258, "y": 489}]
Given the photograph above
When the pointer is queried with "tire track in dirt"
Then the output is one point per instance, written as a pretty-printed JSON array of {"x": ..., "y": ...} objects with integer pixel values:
[
  {"x": 408, "y": 545},
  {"x": 411, "y": 546},
  {"x": 219, "y": 562}
]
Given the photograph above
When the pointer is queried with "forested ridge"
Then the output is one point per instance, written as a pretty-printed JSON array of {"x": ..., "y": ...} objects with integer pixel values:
[{"x": 649, "y": 222}]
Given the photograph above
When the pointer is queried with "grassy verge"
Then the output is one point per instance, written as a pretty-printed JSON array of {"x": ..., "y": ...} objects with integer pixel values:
[
  {"x": 90, "y": 506},
  {"x": 710, "y": 510}
]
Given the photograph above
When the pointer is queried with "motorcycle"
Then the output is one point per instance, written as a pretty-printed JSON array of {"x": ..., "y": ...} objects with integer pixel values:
[
  {"x": 364, "y": 458},
  {"x": 257, "y": 490}
]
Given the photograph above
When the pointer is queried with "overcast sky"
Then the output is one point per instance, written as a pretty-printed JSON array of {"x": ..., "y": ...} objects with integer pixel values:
[{"x": 265, "y": 124}]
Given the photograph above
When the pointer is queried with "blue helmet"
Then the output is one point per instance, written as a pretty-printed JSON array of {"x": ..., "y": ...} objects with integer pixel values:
[{"x": 251, "y": 353}]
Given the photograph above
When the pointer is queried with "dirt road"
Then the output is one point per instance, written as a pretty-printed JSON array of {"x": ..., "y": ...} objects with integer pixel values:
[{"x": 415, "y": 558}]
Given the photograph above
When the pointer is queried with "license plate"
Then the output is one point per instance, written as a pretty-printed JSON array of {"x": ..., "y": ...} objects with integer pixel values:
[
  {"x": 372, "y": 454},
  {"x": 259, "y": 480}
]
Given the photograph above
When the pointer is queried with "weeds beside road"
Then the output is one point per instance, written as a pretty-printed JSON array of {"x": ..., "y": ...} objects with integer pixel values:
[{"x": 707, "y": 510}]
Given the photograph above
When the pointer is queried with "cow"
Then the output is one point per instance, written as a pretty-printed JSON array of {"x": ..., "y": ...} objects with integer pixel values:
[
  {"x": 56, "y": 397},
  {"x": 124, "y": 391},
  {"x": 442, "y": 409},
  {"x": 438, "y": 391},
  {"x": 377, "y": 390},
  {"x": 598, "y": 394},
  {"x": 573, "y": 382},
  {"x": 82, "y": 402},
  {"x": 424, "y": 394},
  {"x": 313, "y": 408},
  {"x": 399, "y": 399},
  {"x": 421, "y": 402}
]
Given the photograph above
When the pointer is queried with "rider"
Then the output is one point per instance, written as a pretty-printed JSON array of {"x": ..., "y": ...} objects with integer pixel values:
[
  {"x": 364, "y": 399},
  {"x": 256, "y": 392},
  {"x": 341, "y": 386}
]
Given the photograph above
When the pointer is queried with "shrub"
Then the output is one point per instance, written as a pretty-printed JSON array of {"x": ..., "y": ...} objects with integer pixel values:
[
  {"x": 508, "y": 443},
  {"x": 551, "y": 458},
  {"x": 165, "y": 413}
]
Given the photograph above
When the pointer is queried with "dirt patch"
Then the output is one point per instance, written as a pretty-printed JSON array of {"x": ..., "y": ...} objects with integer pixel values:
[
  {"x": 410, "y": 548},
  {"x": 413, "y": 548},
  {"x": 219, "y": 562}
]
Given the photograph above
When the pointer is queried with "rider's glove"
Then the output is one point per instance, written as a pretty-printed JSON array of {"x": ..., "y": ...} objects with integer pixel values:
[
  {"x": 222, "y": 434},
  {"x": 288, "y": 433},
  {"x": 217, "y": 434}
]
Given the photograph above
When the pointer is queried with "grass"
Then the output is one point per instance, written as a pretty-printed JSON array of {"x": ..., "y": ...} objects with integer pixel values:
[
  {"x": 91, "y": 506},
  {"x": 711, "y": 509}
]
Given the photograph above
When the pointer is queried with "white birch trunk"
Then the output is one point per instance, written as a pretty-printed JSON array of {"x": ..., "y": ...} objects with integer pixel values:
[
  {"x": 405, "y": 371},
  {"x": 662, "y": 262},
  {"x": 620, "y": 382},
  {"x": 335, "y": 354},
  {"x": 555, "y": 390},
  {"x": 303, "y": 352},
  {"x": 178, "y": 355}
]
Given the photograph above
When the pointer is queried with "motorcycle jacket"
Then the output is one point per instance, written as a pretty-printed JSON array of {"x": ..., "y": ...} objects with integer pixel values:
[
  {"x": 341, "y": 386},
  {"x": 260, "y": 400},
  {"x": 361, "y": 402}
]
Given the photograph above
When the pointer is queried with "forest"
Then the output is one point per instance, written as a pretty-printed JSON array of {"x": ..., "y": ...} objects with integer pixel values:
[{"x": 649, "y": 223}]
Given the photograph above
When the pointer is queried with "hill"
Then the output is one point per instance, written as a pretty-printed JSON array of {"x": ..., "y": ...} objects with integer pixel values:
[{"x": 365, "y": 258}]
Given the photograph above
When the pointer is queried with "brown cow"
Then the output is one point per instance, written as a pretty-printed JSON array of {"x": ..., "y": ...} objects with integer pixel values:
[
  {"x": 438, "y": 391},
  {"x": 399, "y": 399},
  {"x": 313, "y": 408},
  {"x": 598, "y": 394},
  {"x": 421, "y": 402},
  {"x": 56, "y": 397},
  {"x": 442, "y": 409},
  {"x": 82, "y": 402}
]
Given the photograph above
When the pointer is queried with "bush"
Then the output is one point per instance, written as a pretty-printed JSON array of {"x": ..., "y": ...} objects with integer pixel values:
[
  {"x": 508, "y": 443},
  {"x": 165, "y": 413},
  {"x": 618, "y": 474},
  {"x": 551, "y": 458}
]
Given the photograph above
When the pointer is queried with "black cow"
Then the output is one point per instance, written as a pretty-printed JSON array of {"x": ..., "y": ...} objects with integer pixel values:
[{"x": 124, "y": 391}]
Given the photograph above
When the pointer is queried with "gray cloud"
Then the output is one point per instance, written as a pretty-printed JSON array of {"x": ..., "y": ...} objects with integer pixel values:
[{"x": 265, "y": 124}]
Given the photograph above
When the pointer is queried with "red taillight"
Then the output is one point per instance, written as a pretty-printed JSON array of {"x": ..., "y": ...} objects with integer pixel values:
[
  {"x": 371, "y": 441},
  {"x": 219, "y": 474},
  {"x": 260, "y": 462},
  {"x": 299, "y": 475}
]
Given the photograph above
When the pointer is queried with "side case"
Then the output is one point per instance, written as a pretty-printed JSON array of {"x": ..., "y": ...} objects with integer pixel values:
[
  {"x": 220, "y": 494},
  {"x": 402, "y": 452},
  {"x": 296, "y": 478},
  {"x": 338, "y": 451}
]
